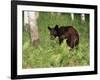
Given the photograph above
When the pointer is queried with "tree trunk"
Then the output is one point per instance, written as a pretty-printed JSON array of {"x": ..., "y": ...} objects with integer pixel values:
[{"x": 33, "y": 16}]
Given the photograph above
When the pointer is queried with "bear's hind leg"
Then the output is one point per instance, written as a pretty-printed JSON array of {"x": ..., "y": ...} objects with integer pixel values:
[{"x": 71, "y": 44}]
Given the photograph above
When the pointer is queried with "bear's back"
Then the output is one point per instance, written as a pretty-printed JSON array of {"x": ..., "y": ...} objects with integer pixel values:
[{"x": 69, "y": 30}]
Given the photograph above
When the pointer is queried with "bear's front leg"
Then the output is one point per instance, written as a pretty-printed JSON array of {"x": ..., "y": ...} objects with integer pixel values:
[{"x": 60, "y": 40}]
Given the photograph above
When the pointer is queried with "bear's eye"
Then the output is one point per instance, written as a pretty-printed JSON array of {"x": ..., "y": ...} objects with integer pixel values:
[{"x": 55, "y": 33}]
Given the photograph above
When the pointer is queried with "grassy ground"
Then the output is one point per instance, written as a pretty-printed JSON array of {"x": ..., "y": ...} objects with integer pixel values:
[{"x": 50, "y": 53}]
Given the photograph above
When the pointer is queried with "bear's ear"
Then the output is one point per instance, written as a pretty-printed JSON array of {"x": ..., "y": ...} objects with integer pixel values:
[
  {"x": 56, "y": 27},
  {"x": 49, "y": 28}
]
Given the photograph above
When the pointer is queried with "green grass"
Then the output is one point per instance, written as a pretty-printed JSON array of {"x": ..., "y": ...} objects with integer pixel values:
[{"x": 49, "y": 53}]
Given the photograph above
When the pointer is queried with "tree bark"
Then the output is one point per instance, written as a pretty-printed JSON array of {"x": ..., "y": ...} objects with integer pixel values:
[{"x": 33, "y": 16}]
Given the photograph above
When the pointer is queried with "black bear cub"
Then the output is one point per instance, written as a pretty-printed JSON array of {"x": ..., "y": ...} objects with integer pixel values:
[{"x": 65, "y": 32}]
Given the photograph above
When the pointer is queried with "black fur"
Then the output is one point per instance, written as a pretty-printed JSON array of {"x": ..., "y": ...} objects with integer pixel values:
[{"x": 65, "y": 32}]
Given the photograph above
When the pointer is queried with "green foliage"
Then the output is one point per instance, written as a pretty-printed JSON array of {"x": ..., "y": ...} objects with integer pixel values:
[{"x": 49, "y": 53}]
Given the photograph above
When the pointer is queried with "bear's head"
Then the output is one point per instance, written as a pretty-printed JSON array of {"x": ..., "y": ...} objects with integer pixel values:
[{"x": 53, "y": 32}]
